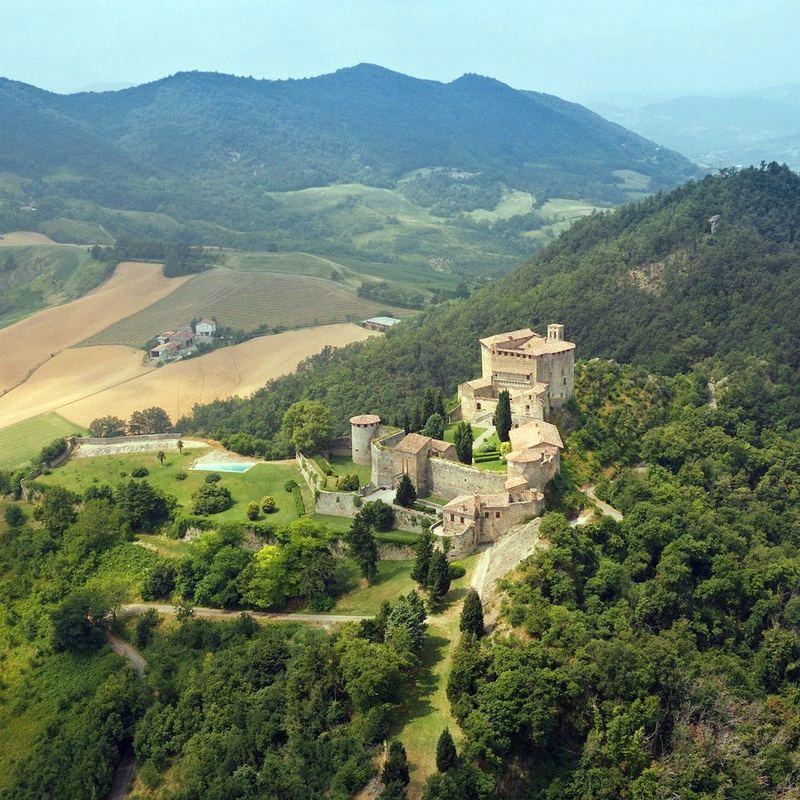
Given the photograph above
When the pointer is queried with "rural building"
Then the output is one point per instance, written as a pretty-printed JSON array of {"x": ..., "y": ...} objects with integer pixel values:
[
  {"x": 206, "y": 327},
  {"x": 537, "y": 372},
  {"x": 173, "y": 344},
  {"x": 380, "y": 323}
]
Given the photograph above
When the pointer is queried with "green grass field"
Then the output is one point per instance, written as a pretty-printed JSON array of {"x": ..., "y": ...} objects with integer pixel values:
[
  {"x": 19, "y": 443},
  {"x": 392, "y": 581},
  {"x": 263, "y": 479},
  {"x": 242, "y": 300}
]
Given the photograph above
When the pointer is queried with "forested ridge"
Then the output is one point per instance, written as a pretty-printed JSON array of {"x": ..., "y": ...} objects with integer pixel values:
[{"x": 647, "y": 284}]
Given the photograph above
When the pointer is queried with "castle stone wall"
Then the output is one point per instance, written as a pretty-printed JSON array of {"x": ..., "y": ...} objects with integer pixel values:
[
  {"x": 461, "y": 544},
  {"x": 337, "y": 504},
  {"x": 383, "y": 459},
  {"x": 450, "y": 479}
]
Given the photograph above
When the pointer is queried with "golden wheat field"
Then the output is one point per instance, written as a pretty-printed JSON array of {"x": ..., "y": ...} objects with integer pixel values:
[
  {"x": 27, "y": 344},
  {"x": 237, "y": 370},
  {"x": 241, "y": 300}
]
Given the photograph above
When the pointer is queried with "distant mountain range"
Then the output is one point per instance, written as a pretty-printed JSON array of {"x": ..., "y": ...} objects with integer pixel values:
[
  {"x": 208, "y": 156},
  {"x": 722, "y": 131}
]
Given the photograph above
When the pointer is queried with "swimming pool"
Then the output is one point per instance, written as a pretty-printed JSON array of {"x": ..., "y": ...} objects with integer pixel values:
[{"x": 225, "y": 466}]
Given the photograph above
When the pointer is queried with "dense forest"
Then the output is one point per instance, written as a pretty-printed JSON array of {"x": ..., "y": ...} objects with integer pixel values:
[
  {"x": 214, "y": 159},
  {"x": 647, "y": 284}
]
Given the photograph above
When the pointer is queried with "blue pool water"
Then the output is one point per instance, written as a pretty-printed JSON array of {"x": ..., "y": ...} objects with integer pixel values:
[{"x": 237, "y": 466}]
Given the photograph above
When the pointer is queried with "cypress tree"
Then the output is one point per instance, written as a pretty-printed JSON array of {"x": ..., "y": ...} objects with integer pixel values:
[
  {"x": 423, "y": 551},
  {"x": 502, "y": 415},
  {"x": 446, "y": 754},
  {"x": 395, "y": 768},
  {"x": 462, "y": 439},
  {"x": 363, "y": 547},
  {"x": 438, "y": 577},
  {"x": 438, "y": 404},
  {"x": 406, "y": 493},
  {"x": 472, "y": 614}
]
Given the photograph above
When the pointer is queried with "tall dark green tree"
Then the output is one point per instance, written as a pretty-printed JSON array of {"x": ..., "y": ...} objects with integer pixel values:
[
  {"x": 406, "y": 493},
  {"x": 438, "y": 403},
  {"x": 395, "y": 768},
  {"x": 446, "y": 754},
  {"x": 362, "y": 545},
  {"x": 472, "y": 614},
  {"x": 434, "y": 427},
  {"x": 438, "y": 582},
  {"x": 502, "y": 415},
  {"x": 462, "y": 439},
  {"x": 423, "y": 551}
]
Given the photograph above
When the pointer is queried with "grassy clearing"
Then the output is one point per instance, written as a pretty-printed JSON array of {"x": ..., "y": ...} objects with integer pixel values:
[
  {"x": 512, "y": 204},
  {"x": 392, "y": 581},
  {"x": 450, "y": 430},
  {"x": 21, "y": 442},
  {"x": 242, "y": 300},
  {"x": 35, "y": 276},
  {"x": 342, "y": 465},
  {"x": 78, "y": 474},
  {"x": 426, "y": 711},
  {"x": 170, "y": 548}
]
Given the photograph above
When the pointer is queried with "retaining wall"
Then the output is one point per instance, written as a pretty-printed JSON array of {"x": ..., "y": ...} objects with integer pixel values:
[
  {"x": 383, "y": 459},
  {"x": 150, "y": 437}
]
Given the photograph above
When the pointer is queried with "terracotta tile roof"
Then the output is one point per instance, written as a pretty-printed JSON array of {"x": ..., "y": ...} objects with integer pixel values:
[
  {"x": 515, "y": 481},
  {"x": 511, "y": 336},
  {"x": 413, "y": 443},
  {"x": 365, "y": 419},
  {"x": 534, "y": 433},
  {"x": 539, "y": 346},
  {"x": 441, "y": 446}
]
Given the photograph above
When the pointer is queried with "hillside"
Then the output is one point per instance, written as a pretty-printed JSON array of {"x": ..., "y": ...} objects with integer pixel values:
[
  {"x": 647, "y": 284},
  {"x": 218, "y": 159}
]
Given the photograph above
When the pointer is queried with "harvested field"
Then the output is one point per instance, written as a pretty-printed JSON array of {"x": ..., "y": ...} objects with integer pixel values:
[
  {"x": 71, "y": 375},
  {"x": 24, "y": 237},
  {"x": 243, "y": 300},
  {"x": 231, "y": 370},
  {"x": 27, "y": 344}
]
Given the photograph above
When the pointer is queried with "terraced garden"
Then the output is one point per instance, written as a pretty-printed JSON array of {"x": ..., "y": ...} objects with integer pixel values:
[{"x": 243, "y": 300}]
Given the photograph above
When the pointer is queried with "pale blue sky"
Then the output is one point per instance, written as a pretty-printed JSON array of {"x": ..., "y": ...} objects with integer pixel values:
[{"x": 579, "y": 49}]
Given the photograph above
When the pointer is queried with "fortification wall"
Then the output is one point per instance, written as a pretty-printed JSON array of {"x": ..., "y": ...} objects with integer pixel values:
[
  {"x": 338, "y": 504},
  {"x": 383, "y": 458},
  {"x": 341, "y": 446},
  {"x": 461, "y": 544},
  {"x": 449, "y": 479}
]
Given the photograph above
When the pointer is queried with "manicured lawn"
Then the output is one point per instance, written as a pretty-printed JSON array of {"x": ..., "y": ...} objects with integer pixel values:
[
  {"x": 342, "y": 465},
  {"x": 450, "y": 429},
  {"x": 263, "y": 479},
  {"x": 392, "y": 581},
  {"x": 21, "y": 442}
]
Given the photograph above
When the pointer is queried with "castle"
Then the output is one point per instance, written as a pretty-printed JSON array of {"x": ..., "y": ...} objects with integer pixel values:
[{"x": 482, "y": 504}]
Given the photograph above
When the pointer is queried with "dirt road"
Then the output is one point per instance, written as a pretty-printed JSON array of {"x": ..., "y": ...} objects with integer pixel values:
[
  {"x": 221, "y": 613},
  {"x": 127, "y": 651}
]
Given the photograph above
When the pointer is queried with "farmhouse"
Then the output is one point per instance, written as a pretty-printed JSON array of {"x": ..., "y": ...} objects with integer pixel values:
[
  {"x": 206, "y": 328},
  {"x": 380, "y": 323}
]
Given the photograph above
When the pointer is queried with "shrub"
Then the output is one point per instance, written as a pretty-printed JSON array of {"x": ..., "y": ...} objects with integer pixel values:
[
  {"x": 185, "y": 521},
  {"x": 211, "y": 498},
  {"x": 379, "y": 514},
  {"x": 290, "y": 485},
  {"x": 14, "y": 516},
  {"x": 457, "y": 571},
  {"x": 140, "y": 472},
  {"x": 181, "y": 475},
  {"x": 348, "y": 483},
  {"x": 160, "y": 581},
  {"x": 252, "y": 511},
  {"x": 53, "y": 450},
  {"x": 268, "y": 505},
  {"x": 213, "y": 477}
]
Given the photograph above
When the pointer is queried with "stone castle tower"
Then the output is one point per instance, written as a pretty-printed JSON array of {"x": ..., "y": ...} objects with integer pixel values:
[{"x": 363, "y": 429}]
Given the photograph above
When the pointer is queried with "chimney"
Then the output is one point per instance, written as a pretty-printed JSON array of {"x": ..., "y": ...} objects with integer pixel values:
[{"x": 555, "y": 333}]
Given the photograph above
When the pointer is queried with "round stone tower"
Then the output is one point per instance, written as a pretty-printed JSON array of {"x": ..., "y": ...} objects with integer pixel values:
[{"x": 362, "y": 431}]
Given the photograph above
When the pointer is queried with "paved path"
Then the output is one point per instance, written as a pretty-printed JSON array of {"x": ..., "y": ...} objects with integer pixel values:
[
  {"x": 610, "y": 511},
  {"x": 128, "y": 651},
  {"x": 222, "y": 613},
  {"x": 484, "y": 437}
]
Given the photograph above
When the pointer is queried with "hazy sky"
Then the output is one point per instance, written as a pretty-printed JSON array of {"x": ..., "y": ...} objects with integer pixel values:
[{"x": 579, "y": 49}]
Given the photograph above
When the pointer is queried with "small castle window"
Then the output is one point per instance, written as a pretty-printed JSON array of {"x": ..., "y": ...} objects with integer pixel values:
[
  {"x": 497, "y": 515},
  {"x": 452, "y": 518},
  {"x": 486, "y": 515},
  {"x": 462, "y": 520},
  {"x": 478, "y": 406}
]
